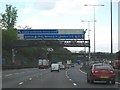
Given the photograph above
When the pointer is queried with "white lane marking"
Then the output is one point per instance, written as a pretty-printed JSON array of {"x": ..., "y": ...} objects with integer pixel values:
[
  {"x": 30, "y": 79},
  {"x": 70, "y": 79},
  {"x": 20, "y": 83},
  {"x": 67, "y": 74},
  {"x": 74, "y": 84},
  {"x": 117, "y": 82},
  {"x": 22, "y": 72},
  {"x": 16, "y": 73},
  {"x": 82, "y": 71},
  {"x": 8, "y": 75}
]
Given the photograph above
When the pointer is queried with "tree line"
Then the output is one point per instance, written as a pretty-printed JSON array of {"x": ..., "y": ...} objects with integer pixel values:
[{"x": 24, "y": 55}]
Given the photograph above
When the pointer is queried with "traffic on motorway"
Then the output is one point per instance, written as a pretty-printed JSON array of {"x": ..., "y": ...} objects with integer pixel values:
[{"x": 99, "y": 75}]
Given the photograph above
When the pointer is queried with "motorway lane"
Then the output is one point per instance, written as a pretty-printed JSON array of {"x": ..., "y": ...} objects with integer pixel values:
[
  {"x": 51, "y": 80},
  {"x": 12, "y": 78},
  {"x": 35, "y": 78},
  {"x": 43, "y": 78},
  {"x": 79, "y": 77}
]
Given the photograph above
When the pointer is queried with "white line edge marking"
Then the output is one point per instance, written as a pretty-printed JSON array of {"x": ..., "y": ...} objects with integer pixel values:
[
  {"x": 82, "y": 71},
  {"x": 74, "y": 84},
  {"x": 70, "y": 79},
  {"x": 20, "y": 83}
]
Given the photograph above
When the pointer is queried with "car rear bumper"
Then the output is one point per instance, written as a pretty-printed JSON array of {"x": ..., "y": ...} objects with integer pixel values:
[{"x": 103, "y": 78}]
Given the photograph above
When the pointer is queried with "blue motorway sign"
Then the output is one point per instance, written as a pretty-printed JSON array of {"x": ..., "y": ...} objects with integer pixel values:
[
  {"x": 38, "y": 31},
  {"x": 54, "y": 36},
  {"x": 28, "y": 34}
]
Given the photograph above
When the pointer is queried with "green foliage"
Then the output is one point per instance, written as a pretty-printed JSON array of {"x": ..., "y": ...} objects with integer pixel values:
[
  {"x": 30, "y": 54},
  {"x": 9, "y": 18},
  {"x": 8, "y": 37}
]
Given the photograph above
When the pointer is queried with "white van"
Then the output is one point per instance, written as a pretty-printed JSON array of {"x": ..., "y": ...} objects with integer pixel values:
[{"x": 55, "y": 67}]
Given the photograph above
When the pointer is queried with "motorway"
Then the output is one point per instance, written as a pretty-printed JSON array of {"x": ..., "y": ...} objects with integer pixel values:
[{"x": 44, "y": 78}]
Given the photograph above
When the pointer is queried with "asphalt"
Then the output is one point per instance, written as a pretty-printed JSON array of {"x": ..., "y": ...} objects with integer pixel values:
[{"x": 73, "y": 77}]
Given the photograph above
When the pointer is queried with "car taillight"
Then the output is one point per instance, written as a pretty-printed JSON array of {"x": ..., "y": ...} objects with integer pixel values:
[
  {"x": 111, "y": 71},
  {"x": 95, "y": 71}
]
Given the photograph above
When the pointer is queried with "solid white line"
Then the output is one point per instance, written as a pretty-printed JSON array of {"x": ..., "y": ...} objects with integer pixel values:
[
  {"x": 82, "y": 71},
  {"x": 8, "y": 75},
  {"x": 74, "y": 84},
  {"x": 20, "y": 83},
  {"x": 70, "y": 79}
]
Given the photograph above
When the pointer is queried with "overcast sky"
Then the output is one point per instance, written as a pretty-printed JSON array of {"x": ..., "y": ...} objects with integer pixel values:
[{"x": 68, "y": 14}]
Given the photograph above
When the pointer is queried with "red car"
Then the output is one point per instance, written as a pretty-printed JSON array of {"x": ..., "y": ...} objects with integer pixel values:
[{"x": 101, "y": 72}]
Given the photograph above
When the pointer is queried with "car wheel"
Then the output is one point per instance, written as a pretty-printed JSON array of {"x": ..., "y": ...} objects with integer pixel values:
[
  {"x": 107, "y": 82},
  {"x": 113, "y": 81},
  {"x": 58, "y": 70},
  {"x": 51, "y": 70},
  {"x": 88, "y": 80},
  {"x": 91, "y": 80}
]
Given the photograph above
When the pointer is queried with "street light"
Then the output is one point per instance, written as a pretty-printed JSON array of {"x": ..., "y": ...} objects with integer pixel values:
[
  {"x": 94, "y": 19},
  {"x": 88, "y": 27},
  {"x": 111, "y": 29},
  {"x": 88, "y": 35}
]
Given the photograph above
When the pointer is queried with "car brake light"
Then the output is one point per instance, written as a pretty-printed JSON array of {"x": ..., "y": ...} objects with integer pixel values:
[
  {"x": 96, "y": 71},
  {"x": 111, "y": 71}
]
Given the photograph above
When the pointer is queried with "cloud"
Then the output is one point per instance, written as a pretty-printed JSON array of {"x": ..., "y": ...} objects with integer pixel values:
[
  {"x": 26, "y": 10},
  {"x": 71, "y": 7},
  {"x": 45, "y": 4}
]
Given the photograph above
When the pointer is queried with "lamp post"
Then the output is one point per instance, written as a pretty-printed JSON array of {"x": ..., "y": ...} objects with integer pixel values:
[
  {"x": 111, "y": 29},
  {"x": 88, "y": 27},
  {"x": 94, "y": 21},
  {"x": 88, "y": 35}
]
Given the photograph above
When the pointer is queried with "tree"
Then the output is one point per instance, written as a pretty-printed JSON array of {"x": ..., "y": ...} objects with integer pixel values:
[{"x": 9, "y": 18}]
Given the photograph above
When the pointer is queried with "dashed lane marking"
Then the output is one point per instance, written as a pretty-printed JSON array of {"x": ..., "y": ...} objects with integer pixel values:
[
  {"x": 20, "y": 83},
  {"x": 74, "y": 84},
  {"x": 22, "y": 72},
  {"x": 16, "y": 73},
  {"x": 8, "y": 75},
  {"x": 30, "y": 79}
]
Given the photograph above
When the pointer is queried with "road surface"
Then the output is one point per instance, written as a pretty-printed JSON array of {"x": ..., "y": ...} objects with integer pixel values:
[{"x": 44, "y": 78}]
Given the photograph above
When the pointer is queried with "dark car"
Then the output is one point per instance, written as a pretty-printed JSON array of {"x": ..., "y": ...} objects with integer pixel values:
[
  {"x": 72, "y": 64},
  {"x": 101, "y": 72}
]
